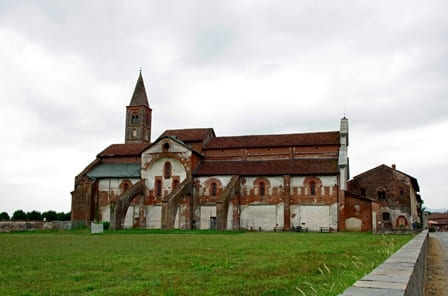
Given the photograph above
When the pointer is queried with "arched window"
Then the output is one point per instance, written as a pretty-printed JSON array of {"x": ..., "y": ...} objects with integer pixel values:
[
  {"x": 167, "y": 170},
  {"x": 158, "y": 188},
  {"x": 313, "y": 188},
  {"x": 134, "y": 119},
  {"x": 381, "y": 193},
  {"x": 213, "y": 189},
  {"x": 125, "y": 185},
  {"x": 262, "y": 188}
]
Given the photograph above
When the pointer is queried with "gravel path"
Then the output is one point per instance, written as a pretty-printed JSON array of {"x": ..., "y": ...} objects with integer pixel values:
[{"x": 437, "y": 265}]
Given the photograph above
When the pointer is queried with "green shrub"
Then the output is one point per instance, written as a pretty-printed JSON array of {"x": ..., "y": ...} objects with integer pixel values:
[
  {"x": 19, "y": 215},
  {"x": 34, "y": 216},
  {"x": 50, "y": 215},
  {"x": 106, "y": 225},
  {"x": 4, "y": 216}
]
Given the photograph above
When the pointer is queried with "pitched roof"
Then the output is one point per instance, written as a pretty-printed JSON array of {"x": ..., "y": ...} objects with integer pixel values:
[
  {"x": 124, "y": 150},
  {"x": 268, "y": 167},
  {"x": 189, "y": 135},
  {"x": 438, "y": 216},
  {"x": 304, "y": 139},
  {"x": 358, "y": 196},
  {"x": 139, "y": 97},
  {"x": 383, "y": 166},
  {"x": 177, "y": 141},
  {"x": 115, "y": 170}
]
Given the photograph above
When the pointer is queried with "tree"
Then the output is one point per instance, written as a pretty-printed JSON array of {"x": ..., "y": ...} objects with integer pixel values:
[
  {"x": 50, "y": 216},
  {"x": 34, "y": 215},
  {"x": 4, "y": 216},
  {"x": 63, "y": 217},
  {"x": 19, "y": 215}
]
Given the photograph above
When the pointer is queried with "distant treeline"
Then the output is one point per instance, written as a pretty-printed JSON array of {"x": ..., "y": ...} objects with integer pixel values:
[{"x": 20, "y": 215}]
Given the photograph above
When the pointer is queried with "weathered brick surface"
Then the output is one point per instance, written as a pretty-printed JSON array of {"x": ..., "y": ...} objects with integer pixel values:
[
  {"x": 401, "y": 195},
  {"x": 301, "y": 171},
  {"x": 360, "y": 208}
]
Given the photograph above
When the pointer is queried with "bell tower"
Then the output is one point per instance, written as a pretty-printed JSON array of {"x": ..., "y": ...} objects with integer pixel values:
[{"x": 138, "y": 115}]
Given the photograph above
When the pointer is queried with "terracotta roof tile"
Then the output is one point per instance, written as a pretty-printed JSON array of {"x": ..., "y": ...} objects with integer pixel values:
[
  {"x": 124, "y": 150},
  {"x": 305, "y": 139},
  {"x": 268, "y": 167},
  {"x": 438, "y": 216},
  {"x": 189, "y": 135}
]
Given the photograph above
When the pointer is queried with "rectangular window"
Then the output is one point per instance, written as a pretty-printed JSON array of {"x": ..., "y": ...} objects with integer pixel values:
[
  {"x": 363, "y": 192},
  {"x": 158, "y": 188},
  {"x": 386, "y": 216},
  {"x": 381, "y": 194}
]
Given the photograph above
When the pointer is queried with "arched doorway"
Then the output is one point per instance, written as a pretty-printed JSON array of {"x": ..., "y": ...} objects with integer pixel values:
[{"x": 401, "y": 222}]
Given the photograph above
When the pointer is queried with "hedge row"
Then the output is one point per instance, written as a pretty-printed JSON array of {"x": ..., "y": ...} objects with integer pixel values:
[{"x": 20, "y": 215}]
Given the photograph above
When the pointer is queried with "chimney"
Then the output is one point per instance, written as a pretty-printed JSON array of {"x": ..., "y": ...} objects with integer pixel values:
[{"x": 394, "y": 167}]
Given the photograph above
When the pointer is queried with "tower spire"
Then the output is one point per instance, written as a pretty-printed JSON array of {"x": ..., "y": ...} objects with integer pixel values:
[
  {"x": 138, "y": 115},
  {"x": 139, "y": 97}
]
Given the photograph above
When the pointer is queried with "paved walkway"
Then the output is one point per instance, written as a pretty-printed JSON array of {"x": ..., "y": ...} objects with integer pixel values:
[{"x": 437, "y": 265}]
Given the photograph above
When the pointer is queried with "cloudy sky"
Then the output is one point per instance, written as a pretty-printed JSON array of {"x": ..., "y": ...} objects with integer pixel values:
[{"x": 68, "y": 69}]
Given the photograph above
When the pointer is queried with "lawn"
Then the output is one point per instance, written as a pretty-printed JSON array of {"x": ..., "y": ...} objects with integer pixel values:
[{"x": 188, "y": 263}]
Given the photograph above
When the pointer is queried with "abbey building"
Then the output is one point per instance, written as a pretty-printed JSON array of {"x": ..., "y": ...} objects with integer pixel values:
[{"x": 194, "y": 179}]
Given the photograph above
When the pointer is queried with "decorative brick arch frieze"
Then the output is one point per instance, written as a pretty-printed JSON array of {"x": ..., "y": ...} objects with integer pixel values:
[
  {"x": 125, "y": 185},
  {"x": 209, "y": 184},
  {"x": 262, "y": 185},
  {"x": 167, "y": 156},
  {"x": 312, "y": 186}
]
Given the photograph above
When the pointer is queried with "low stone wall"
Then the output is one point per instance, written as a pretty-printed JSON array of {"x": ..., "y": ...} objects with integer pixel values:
[
  {"x": 10, "y": 226},
  {"x": 402, "y": 274},
  {"x": 398, "y": 231}
]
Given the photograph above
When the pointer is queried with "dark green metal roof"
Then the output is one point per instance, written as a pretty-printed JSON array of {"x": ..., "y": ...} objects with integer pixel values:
[{"x": 115, "y": 170}]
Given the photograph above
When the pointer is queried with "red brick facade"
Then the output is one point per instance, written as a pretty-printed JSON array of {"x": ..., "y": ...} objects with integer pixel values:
[
  {"x": 396, "y": 193},
  {"x": 190, "y": 178}
]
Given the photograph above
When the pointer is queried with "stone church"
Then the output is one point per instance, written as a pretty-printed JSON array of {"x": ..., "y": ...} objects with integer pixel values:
[{"x": 194, "y": 179}]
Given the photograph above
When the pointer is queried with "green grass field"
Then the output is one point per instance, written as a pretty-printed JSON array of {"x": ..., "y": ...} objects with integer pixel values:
[{"x": 188, "y": 263}]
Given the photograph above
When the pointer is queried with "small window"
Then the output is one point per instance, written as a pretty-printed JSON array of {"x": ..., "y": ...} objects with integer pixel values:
[
  {"x": 381, "y": 194},
  {"x": 313, "y": 188},
  {"x": 213, "y": 189},
  {"x": 363, "y": 192},
  {"x": 262, "y": 189},
  {"x": 158, "y": 188},
  {"x": 124, "y": 187},
  {"x": 386, "y": 216},
  {"x": 134, "y": 119},
  {"x": 175, "y": 184},
  {"x": 401, "y": 191},
  {"x": 167, "y": 170},
  {"x": 166, "y": 146}
]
